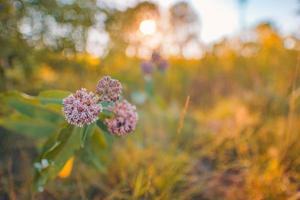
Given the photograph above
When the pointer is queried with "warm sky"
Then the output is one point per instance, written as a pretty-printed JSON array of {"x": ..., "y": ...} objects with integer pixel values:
[{"x": 220, "y": 18}]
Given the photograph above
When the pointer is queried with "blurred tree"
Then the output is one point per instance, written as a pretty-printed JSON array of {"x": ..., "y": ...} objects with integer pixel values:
[
  {"x": 179, "y": 28},
  {"x": 123, "y": 26},
  {"x": 185, "y": 25},
  {"x": 31, "y": 28},
  {"x": 268, "y": 36}
]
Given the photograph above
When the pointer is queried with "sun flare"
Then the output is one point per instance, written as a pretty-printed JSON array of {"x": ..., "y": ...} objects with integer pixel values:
[{"x": 148, "y": 27}]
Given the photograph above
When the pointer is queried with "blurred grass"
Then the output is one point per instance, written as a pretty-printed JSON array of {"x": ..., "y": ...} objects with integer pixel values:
[{"x": 238, "y": 137}]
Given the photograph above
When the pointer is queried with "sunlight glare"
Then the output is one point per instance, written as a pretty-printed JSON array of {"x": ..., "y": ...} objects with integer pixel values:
[{"x": 148, "y": 27}]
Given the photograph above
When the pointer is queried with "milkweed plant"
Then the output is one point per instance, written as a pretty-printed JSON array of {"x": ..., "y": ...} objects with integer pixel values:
[
  {"x": 81, "y": 124},
  {"x": 155, "y": 62},
  {"x": 148, "y": 68}
]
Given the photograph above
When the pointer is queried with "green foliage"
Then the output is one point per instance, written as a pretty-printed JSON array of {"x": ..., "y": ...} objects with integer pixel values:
[
  {"x": 58, "y": 150},
  {"x": 35, "y": 128},
  {"x": 26, "y": 34},
  {"x": 29, "y": 116},
  {"x": 30, "y": 106},
  {"x": 41, "y": 117},
  {"x": 95, "y": 150},
  {"x": 52, "y": 96}
]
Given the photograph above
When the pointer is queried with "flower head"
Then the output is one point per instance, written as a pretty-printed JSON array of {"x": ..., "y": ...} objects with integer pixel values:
[
  {"x": 147, "y": 67},
  {"x": 125, "y": 119},
  {"x": 109, "y": 89},
  {"x": 162, "y": 65},
  {"x": 155, "y": 57},
  {"x": 81, "y": 108}
]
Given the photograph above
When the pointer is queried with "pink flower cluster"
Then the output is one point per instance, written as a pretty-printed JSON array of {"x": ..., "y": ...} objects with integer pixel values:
[
  {"x": 83, "y": 107},
  {"x": 125, "y": 119},
  {"x": 109, "y": 89}
]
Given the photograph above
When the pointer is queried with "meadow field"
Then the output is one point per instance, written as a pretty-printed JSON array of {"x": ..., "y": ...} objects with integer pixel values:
[{"x": 225, "y": 125}]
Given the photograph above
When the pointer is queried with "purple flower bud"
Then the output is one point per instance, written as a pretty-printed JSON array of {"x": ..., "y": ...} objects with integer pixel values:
[
  {"x": 162, "y": 65},
  {"x": 109, "y": 89},
  {"x": 147, "y": 67},
  {"x": 125, "y": 119},
  {"x": 155, "y": 57},
  {"x": 81, "y": 108}
]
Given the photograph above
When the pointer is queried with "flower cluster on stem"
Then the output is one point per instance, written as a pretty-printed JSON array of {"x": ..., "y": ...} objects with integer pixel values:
[
  {"x": 83, "y": 107},
  {"x": 125, "y": 119}
]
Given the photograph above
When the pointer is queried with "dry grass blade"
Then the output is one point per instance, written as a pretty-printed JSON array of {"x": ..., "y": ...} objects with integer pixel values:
[{"x": 182, "y": 115}]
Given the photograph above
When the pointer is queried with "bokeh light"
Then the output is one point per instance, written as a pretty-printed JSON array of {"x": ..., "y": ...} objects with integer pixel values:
[{"x": 148, "y": 27}]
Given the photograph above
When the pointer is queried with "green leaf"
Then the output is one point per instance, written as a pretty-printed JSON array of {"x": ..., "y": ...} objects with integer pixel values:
[
  {"x": 96, "y": 150},
  {"x": 106, "y": 104},
  {"x": 58, "y": 149},
  {"x": 53, "y": 96},
  {"x": 108, "y": 137},
  {"x": 102, "y": 126},
  {"x": 87, "y": 130},
  {"x": 105, "y": 113},
  {"x": 36, "y": 128},
  {"x": 98, "y": 140},
  {"x": 31, "y": 107}
]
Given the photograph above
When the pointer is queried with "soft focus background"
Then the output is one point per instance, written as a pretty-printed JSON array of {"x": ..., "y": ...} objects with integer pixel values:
[{"x": 222, "y": 120}]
